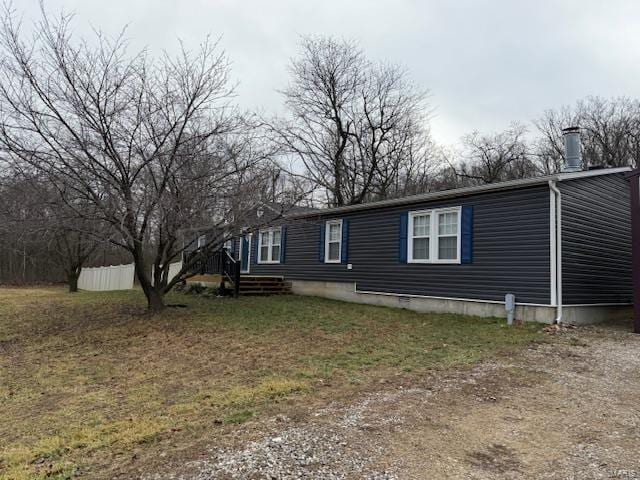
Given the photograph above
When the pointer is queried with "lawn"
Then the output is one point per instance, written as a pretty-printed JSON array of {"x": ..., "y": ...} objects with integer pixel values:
[{"x": 92, "y": 386}]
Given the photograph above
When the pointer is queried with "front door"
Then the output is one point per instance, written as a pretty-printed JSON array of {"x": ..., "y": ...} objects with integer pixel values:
[{"x": 245, "y": 253}]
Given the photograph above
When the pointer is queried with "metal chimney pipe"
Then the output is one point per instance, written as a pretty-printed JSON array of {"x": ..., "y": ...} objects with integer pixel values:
[{"x": 572, "y": 149}]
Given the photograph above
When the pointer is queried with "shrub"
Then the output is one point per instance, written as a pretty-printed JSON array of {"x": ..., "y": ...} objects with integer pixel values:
[
  {"x": 211, "y": 292},
  {"x": 195, "y": 289}
]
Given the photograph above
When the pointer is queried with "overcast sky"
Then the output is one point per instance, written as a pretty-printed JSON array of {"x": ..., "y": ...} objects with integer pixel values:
[{"x": 485, "y": 62}]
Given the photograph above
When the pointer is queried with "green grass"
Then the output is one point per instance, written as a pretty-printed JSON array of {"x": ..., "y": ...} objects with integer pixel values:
[
  {"x": 239, "y": 417},
  {"x": 89, "y": 380}
]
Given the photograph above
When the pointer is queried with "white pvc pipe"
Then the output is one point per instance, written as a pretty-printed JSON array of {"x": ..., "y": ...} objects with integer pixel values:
[
  {"x": 553, "y": 277},
  {"x": 557, "y": 240}
]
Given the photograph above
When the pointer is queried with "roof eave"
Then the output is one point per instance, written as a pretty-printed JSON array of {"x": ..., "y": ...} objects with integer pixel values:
[{"x": 462, "y": 192}]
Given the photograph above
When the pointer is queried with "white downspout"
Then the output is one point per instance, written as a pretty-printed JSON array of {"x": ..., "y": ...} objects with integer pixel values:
[{"x": 556, "y": 250}]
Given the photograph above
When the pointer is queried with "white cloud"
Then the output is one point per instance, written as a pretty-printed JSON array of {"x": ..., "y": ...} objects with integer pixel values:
[{"x": 486, "y": 62}]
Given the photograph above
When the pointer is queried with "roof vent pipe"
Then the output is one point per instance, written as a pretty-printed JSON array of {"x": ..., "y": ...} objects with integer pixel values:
[{"x": 572, "y": 149}]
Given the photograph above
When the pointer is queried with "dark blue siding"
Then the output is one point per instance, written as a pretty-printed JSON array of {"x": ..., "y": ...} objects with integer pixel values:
[
  {"x": 510, "y": 251},
  {"x": 596, "y": 240}
]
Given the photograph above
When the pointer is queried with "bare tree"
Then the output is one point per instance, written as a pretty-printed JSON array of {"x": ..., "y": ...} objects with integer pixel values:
[
  {"x": 391, "y": 136},
  {"x": 490, "y": 158},
  {"x": 154, "y": 145},
  {"x": 54, "y": 240},
  {"x": 610, "y": 131},
  {"x": 325, "y": 84},
  {"x": 21, "y": 252},
  {"x": 73, "y": 239},
  {"x": 356, "y": 127}
]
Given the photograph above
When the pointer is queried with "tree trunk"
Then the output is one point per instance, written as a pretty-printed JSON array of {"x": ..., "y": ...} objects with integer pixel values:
[
  {"x": 154, "y": 293},
  {"x": 72, "y": 280},
  {"x": 155, "y": 300}
]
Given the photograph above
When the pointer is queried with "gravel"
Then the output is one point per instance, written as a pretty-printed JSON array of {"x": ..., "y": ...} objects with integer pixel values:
[
  {"x": 560, "y": 410},
  {"x": 313, "y": 451},
  {"x": 309, "y": 452}
]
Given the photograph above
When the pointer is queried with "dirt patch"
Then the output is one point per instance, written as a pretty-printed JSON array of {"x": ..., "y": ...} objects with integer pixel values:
[{"x": 496, "y": 459}]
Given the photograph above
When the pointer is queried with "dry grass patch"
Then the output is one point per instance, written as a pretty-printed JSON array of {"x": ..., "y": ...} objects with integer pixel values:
[{"x": 92, "y": 386}]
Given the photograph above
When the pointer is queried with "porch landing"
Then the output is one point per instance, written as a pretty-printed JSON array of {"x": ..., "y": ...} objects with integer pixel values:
[{"x": 249, "y": 284}]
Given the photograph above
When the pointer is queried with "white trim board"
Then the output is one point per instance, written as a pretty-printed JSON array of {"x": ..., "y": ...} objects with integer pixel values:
[
  {"x": 597, "y": 304},
  {"x": 497, "y": 302},
  {"x": 553, "y": 262}
]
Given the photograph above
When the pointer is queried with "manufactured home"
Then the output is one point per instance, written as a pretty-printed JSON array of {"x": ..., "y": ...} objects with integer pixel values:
[{"x": 561, "y": 244}]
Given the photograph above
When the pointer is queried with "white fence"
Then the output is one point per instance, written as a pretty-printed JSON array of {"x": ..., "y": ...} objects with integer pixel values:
[
  {"x": 174, "y": 269},
  {"x": 115, "y": 277}
]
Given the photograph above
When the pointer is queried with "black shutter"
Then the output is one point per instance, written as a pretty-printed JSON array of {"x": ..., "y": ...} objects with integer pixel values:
[
  {"x": 232, "y": 250},
  {"x": 254, "y": 247},
  {"x": 344, "y": 254},
  {"x": 321, "y": 243},
  {"x": 402, "y": 237},
  {"x": 466, "y": 242},
  {"x": 283, "y": 243}
]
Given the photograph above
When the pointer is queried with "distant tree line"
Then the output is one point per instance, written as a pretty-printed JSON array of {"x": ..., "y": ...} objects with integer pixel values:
[
  {"x": 109, "y": 156},
  {"x": 610, "y": 134}
]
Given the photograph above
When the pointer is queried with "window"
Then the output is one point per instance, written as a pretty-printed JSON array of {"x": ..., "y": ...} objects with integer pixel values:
[
  {"x": 421, "y": 233},
  {"x": 434, "y": 236},
  {"x": 448, "y": 236},
  {"x": 269, "y": 245},
  {"x": 202, "y": 241},
  {"x": 333, "y": 242}
]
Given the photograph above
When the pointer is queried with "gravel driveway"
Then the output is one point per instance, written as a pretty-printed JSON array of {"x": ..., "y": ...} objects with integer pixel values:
[{"x": 566, "y": 409}]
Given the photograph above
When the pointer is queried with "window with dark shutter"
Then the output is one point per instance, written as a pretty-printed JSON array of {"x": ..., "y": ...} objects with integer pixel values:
[
  {"x": 333, "y": 241},
  {"x": 436, "y": 235}
]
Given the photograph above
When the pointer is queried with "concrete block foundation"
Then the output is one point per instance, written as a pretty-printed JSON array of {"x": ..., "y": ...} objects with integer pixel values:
[{"x": 346, "y": 291}]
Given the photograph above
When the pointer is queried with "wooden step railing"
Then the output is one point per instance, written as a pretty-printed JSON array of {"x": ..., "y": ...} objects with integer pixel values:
[{"x": 220, "y": 262}]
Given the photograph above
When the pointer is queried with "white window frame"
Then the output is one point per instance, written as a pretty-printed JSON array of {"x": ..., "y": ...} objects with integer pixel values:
[
  {"x": 326, "y": 241},
  {"x": 434, "y": 237},
  {"x": 270, "y": 259},
  {"x": 410, "y": 236}
]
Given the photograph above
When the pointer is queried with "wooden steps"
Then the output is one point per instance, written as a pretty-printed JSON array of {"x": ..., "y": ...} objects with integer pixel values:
[
  {"x": 258, "y": 285},
  {"x": 249, "y": 284}
]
